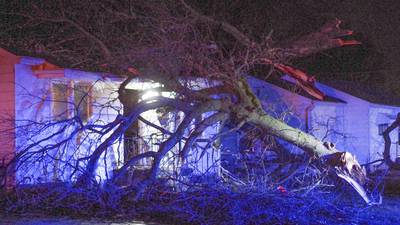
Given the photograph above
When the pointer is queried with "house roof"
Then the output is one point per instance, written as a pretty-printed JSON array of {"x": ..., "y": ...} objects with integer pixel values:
[
  {"x": 44, "y": 69},
  {"x": 292, "y": 87},
  {"x": 371, "y": 93}
]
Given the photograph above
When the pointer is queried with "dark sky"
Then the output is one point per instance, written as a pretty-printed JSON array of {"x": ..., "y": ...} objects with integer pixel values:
[
  {"x": 376, "y": 23},
  {"x": 373, "y": 67},
  {"x": 375, "y": 63}
]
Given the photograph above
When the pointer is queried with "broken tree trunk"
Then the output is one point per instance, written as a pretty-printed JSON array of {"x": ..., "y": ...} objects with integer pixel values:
[{"x": 344, "y": 163}]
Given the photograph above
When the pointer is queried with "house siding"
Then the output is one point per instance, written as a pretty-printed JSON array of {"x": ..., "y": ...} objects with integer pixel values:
[
  {"x": 327, "y": 123},
  {"x": 382, "y": 114},
  {"x": 356, "y": 125},
  {"x": 7, "y": 111},
  {"x": 34, "y": 104}
]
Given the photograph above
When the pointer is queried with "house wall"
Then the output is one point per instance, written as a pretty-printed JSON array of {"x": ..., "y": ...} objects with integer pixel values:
[
  {"x": 34, "y": 107},
  {"x": 355, "y": 122},
  {"x": 7, "y": 111},
  {"x": 327, "y": 123},
  {"x": 34, "y": 110},
  {"x": 382, "y": 114}
]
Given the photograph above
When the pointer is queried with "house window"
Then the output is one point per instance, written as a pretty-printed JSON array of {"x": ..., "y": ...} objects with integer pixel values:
[
  {"x": 64, "y": 94},
  {"x": 60, "y": 93},
  {"x": 382, "y": 127},
  {"x": 82, "y": 101}
]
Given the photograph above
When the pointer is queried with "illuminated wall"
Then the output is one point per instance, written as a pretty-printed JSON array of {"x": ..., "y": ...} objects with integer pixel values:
[{"x": 35, "y": 105}]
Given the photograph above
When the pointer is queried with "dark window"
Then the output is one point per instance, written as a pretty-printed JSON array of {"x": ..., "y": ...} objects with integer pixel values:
[{"x": 382, "y": 127}]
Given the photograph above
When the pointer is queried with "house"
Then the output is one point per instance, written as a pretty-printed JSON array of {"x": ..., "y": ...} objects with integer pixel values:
[
  {"x": 42, "y": 107},
  {"x": 352, "y": 123},
  {"x": 38, "y": 103}
]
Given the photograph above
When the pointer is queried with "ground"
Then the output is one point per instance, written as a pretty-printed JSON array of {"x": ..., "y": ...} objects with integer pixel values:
[
  {"x": 385, "y": 214},
  {"x": 27, "y": 220}
]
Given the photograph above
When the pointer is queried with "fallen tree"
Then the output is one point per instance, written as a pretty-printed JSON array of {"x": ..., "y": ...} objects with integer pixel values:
[{"x": 175, "y": 45}]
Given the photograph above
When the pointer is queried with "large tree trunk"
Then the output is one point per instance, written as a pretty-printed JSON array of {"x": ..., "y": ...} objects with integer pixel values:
[{"x": 344, "y": 163}]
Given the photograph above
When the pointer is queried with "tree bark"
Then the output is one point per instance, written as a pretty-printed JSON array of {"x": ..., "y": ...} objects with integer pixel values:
[{"x": 344, "y": 163}]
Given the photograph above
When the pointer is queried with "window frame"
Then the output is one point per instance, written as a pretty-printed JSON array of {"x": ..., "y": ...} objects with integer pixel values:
[
  {"x": 71, "y": 103},
  {"x": 54, "y": 101},
  {"x": 88, "y": 107}
]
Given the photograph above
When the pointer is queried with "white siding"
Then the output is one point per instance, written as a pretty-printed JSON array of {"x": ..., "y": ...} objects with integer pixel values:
[
  {"x": 34, "y": 104},
  {"x": 327, "y": 123},
  {"x": 380, "y": 114},
  {"x": 356, "y": 125}
]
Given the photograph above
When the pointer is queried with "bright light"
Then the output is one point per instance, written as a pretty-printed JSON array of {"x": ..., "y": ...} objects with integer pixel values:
[
  {"x": 168, "y": 94},
  {"x": 142, "y": 85},
  {"x": 150, "y": 94}
]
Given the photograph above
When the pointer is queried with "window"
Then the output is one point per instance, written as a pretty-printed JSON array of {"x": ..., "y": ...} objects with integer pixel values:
[
  {"x": 82, "y": 101},
  {"x": 60, "y": 100},
  {"x": 64, "y": 94},
  {"x": 382, "y": 127}
]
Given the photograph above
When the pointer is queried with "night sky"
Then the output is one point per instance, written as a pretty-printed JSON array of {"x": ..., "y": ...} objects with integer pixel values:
[
  {"x": 371, "y": 67},
  {"x": 374, "y": 64},
  {"x": 375, "y": 23}
]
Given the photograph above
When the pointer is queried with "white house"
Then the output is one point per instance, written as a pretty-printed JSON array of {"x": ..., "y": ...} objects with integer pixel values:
[
  {"x": 42, "y": 106},
  {"x": 38, "y": 100}
]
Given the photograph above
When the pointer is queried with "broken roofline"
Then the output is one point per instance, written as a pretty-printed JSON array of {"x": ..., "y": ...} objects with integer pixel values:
[{"x": 286, "y": 80}]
